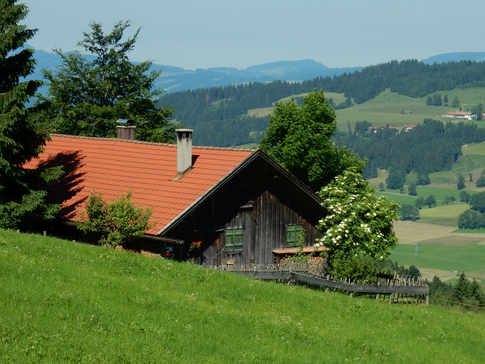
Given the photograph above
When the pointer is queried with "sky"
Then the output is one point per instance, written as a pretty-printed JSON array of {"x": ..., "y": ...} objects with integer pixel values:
[{"x": 228, "y": 33}]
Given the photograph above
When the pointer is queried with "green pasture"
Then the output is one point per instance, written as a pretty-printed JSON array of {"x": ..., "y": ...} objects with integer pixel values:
[
  {"x": 440, "y": 194},
  {"x": 260, "y": 112},
  {"x": 466, "y": 164},
  {"x": 400, "y": 198},
  {"x": 390, "y": 108},
  {"x": 453, "y": 253},
  {"x": 69, "y": 302},
  {"x": 474, "y": 149},
  {"x": 446, "y": 215},
  {"x": 398, "y": 110},
  {"x": 469, "y": 97}
]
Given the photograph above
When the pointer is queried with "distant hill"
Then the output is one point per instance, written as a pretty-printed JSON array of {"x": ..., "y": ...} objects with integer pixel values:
[
  {"x": 175, "y": 79},
  {"x": 236, "y": 115},
  {"x": 455, "y": 57}
]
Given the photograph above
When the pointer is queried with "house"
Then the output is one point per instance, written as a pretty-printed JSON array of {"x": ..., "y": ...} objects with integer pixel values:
[
  {"x": 407, "y": 128},
  {"x": 460, "y": 115},
  {"x": 213, "y": 205}
]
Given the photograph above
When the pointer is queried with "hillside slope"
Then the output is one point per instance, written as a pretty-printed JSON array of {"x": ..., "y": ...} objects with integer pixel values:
[
  {"x": 389, "y": 93},
  {"x": 65, "y": 302}
]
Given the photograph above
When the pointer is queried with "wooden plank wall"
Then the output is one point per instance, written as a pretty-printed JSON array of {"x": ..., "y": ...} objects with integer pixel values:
[
  {"x": 272, "y": 218},
  {"x": 264, "y": 224}
]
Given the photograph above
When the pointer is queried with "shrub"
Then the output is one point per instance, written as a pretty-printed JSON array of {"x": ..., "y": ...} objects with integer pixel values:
[
  {"x": 420, "y": 202},
  {"x": 430, "y": 201},
  {"x": 359, "y": 268},
  {"x": 471, "y": 219},
  {"x": 359, "y": 222},
  {"x": 396, "y": 178},
  {"x": 116, "y": 223},
  {"x": 412, "y": 189},
  {"x": 409, "y": 212},
  {"x": 423, "y": 179},
  {"x": 461, "y": 182},
  {"x": 477, "y": 202},
  {"x": 464, "y": 196},
  {"x": 480, "y": 181}
]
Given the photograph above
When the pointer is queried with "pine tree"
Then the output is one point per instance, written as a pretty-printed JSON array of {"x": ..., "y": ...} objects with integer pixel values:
[
  {"x": 22, "y": 199},
  {"x": 88, "y": 96},
  {"x": 461, "y": 291},
  {"x": 412, "y": 189},
  {"x": 461, "y": 182}
]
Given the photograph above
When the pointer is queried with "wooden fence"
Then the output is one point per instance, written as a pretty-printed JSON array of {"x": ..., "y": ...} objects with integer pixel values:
[{"x": 395, "y": 290}]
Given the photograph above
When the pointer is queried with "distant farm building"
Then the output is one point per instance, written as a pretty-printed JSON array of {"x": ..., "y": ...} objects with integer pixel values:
[{"x": 460, "y": 115}]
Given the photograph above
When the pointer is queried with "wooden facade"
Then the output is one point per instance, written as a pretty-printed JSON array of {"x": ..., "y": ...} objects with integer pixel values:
[
  {"x": 264, "y": 223},
  {"x": 247, "y": 216}
]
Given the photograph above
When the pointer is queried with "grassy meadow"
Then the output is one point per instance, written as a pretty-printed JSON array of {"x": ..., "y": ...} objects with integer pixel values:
[
  {"x": 433, "y": 243},
  {"x": 71, "y": 302},
  {"x": 391, "y": 108},
  {"x": 398, "y": 110}
]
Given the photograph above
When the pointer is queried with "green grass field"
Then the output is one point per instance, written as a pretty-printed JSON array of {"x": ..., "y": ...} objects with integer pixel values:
[
  {"x": 265, "y": 111},
  {"x": 68, "y": 302},
  {"x": 398, "y": 110},
  {"x": 440, "y": 194},
  {"x": 395, "y": 109},
  {"x": 446, "y": 215},
  {"x": 444, "y": 254}
]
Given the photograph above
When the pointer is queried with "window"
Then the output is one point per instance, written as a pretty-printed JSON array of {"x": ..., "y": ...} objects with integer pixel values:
[
  {"x": 234, "y": 238},
  {"x": 294, "y": 233}
]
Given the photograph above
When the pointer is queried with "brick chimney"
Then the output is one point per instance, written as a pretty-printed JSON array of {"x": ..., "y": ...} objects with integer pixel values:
[
  {"x": 184, "y": 150},
  {"x": 125, "y": 131}
]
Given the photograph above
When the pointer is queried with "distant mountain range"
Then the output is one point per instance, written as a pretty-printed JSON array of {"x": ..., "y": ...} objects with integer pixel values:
[
  {"x": 175, "y": 79},
  {"x": 456, "y": 57}
]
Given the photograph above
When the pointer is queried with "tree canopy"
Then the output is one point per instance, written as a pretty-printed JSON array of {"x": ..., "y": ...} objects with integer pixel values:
[
  {"x": 22, "y": 198},
  {"x": 115, "y": 223},
  {"x": 298, "y": 137},
  {"x": 89, "y": 93},
  {"x": 428, "y": 147}
]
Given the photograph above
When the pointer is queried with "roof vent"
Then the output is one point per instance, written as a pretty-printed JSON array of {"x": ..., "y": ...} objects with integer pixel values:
[{"x": 184, "y": 151}]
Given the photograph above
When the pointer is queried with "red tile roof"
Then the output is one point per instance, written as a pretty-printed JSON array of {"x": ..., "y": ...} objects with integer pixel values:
[{"x": 114, "y": 167}]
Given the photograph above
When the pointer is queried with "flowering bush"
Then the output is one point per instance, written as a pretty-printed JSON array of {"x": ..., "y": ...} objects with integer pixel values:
[{"x": 358, "y": 221}]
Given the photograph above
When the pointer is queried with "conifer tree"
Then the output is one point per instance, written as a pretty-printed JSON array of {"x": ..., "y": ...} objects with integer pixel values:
[
  {"x": 87, "y": 95},
  {"x": 21, "y": 194},
  {"x": 461, "y": 182}
]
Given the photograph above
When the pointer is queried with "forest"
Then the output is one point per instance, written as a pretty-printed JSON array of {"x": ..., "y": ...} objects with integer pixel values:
[
  {"x": 205, "y": 110},
  {"x": 429, "y": 147}
]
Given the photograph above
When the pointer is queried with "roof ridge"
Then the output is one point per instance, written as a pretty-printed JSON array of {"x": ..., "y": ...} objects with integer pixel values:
[{"x": 149, "y": 143}]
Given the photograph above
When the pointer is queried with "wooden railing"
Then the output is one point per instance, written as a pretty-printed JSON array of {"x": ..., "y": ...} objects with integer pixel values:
[{"x": 396, "y": 290}]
